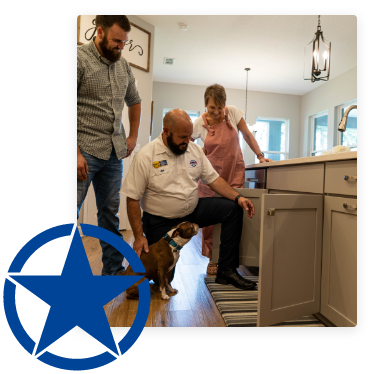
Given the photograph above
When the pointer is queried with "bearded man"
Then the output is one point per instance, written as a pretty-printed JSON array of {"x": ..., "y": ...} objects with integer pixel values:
[
  {"x": 163, "y": 181},
  {"x": 104, "y": 82}
]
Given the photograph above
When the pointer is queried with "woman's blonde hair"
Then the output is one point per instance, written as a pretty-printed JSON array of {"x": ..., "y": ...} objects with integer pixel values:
[{"x": 217, "y": 93}]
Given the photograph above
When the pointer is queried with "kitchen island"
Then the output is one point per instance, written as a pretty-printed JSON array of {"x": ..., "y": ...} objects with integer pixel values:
[{"x": 303, "y": 237}]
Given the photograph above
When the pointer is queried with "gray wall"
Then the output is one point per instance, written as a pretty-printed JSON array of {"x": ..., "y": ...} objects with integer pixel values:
[
  {"x": 264, "y": 104},
  {"x": 333, "y": 93}
]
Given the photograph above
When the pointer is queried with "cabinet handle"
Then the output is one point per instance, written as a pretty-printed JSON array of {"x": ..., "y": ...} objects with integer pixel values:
[
  {"x": 251, "y": 179},
  {"x": 350, "y": 177},
  {"x": 349, "y": 206},
  {"x": 271, "y": 212}
]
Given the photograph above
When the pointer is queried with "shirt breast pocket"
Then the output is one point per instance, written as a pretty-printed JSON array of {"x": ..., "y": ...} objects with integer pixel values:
[
  {"x": 122, "y": 82},
  {"x": 163, "y": 170},
  {"x": 194, "y": 168}
]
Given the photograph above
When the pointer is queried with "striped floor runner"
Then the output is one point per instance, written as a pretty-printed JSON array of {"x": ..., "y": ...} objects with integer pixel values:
[{"x": 239, "y": 308}]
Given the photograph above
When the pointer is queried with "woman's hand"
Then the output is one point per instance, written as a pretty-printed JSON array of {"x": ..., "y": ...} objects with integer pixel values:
[
  {"x": 250, "y": 140},
  {"x": 262, "y": 159}
]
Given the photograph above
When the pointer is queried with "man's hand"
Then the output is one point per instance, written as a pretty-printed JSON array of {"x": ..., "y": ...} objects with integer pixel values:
[
  {"x": 82, "y": 167},
  {"x": 139, "y": 244},
  {"x": 204, "y": 150},
  {"x": 247, "y": 205},
  {"x": 131, "y": 143},
  {"x": 262, "y": 159}
]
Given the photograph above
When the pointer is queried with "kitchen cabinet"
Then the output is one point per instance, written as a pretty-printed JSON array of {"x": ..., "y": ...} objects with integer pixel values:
[
  {"x": 339, "y": 263},
  {"x": 303, "y": 268},
  {"x": 250, "y": 240},
  {"x": 288, "y": 253},
  {"x": 301, "y": 178},
  {"x": 341, "y": 178}
]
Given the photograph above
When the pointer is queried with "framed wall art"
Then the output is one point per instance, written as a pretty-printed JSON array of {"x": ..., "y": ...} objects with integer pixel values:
[{"x": 136, "y": 50}]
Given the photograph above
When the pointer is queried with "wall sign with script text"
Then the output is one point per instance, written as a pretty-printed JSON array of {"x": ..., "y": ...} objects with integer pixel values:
[{"x": 136, "y": 50}]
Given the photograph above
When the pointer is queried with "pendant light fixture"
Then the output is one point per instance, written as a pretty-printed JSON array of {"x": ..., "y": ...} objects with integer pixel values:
[
  {"x": 247, "y": 78},
  {"x": 318, "y": 56}
]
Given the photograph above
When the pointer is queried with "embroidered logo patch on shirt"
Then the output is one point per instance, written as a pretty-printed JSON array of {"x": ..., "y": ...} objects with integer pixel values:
[
  {"x": 157, "y": 164},
  {"x": 193, "y": 163}
]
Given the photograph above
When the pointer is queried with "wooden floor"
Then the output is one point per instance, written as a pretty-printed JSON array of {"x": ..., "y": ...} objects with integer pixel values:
[{"x": 193, "y": 306}]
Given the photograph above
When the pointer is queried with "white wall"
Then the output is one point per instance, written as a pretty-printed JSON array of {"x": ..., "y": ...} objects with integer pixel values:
[
  {"x": 144, "y": 85},
  {"x": 264, "y": 104},
  {"x": 333, "y": 93}
]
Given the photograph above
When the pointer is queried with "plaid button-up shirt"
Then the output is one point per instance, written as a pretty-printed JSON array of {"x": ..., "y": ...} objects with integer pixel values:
[{"x": 102, "y": 88}]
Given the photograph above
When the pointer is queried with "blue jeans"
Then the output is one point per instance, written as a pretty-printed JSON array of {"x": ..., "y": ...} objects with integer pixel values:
[{"x": 106, "y": 177}]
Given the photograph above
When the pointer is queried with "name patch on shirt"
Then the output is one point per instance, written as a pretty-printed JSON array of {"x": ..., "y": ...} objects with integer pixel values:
[
  {"x": 162, "y": 170},
  {"x": 193, "y": 163},
  {"x": 157, "y": 164}
]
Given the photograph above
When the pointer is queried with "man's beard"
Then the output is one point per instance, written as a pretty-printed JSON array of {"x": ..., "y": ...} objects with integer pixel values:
[
  {"x": 175, "y": 148},
  {"x": 112, "y": 55}
]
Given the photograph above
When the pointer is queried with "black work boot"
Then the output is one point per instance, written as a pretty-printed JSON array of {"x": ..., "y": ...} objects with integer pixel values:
[{"x": 231, "y": 276}]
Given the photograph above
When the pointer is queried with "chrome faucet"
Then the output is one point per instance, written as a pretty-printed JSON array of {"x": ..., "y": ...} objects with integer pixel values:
[{"x": 342, "y": 125}]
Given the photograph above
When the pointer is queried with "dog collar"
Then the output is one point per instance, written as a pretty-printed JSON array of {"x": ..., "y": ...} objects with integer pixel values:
[{"x": 172, "y": 242}]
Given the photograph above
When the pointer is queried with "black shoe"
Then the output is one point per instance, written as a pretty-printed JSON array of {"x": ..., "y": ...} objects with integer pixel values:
[{"x": 230, "y": 276}]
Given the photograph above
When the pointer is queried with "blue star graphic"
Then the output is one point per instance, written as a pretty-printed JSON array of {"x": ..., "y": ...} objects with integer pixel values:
[{"x": 76, "y": 297}]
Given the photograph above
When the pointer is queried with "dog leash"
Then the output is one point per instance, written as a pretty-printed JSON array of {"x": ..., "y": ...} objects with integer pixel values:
[{"x": 172, "y": 242}]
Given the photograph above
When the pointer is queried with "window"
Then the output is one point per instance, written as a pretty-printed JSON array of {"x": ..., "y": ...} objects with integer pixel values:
[
  {"x": 349, "y": 137},
  {"x": 319, "y": 128},
  {"x": 272, "y": 137},
  {"x": 193, "y": 115}
]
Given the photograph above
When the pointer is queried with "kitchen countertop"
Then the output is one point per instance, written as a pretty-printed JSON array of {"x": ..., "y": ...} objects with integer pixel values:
[{"x": 305, "y": 160}]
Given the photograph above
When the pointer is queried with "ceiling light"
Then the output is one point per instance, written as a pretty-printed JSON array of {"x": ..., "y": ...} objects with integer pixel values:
[
  {"x": 183, "y": 26},
  {"x": 320, "y": 57}
]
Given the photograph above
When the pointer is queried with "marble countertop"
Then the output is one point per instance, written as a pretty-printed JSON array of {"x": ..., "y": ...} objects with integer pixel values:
[{"x": 305, "y": 160}]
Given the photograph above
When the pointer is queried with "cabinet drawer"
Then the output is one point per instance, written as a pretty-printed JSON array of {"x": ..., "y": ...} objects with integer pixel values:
[
  {"x": 301, "y": 178},
  {"x": 334, "y": 178}
]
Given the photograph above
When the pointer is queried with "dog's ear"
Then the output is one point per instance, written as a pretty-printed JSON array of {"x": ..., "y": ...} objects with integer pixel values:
[{"x": 176, "y": 232}]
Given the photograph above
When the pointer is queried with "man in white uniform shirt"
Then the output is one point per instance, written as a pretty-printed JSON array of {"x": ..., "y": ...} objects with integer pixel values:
[{"x": 163, "y": 180}]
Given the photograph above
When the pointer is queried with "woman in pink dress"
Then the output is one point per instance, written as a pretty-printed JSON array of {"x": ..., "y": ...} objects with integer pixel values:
[{"x": 218, "y": 127}]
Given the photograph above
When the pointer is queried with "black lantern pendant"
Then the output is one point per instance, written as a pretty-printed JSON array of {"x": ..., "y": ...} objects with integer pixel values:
[{"x": 320, "y": 57}]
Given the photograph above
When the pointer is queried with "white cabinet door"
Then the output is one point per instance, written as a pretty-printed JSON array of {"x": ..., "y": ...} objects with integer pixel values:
[
  {"x": 339, "y": 262},
  {"x": 250, "y": 239},
  {"x": 290, "y": 248},
  {"x": 290, "y": 257}
]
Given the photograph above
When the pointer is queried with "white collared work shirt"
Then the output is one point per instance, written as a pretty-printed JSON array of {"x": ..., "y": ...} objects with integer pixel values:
[{"x": 166, "y": 184}]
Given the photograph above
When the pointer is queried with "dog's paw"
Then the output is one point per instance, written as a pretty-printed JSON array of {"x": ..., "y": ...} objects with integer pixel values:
[
  {"x": 165, "y": 297},
  {"x": 173, "y": 290}
]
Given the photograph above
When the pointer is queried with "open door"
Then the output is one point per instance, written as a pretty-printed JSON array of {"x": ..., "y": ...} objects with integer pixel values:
[
  {"x": 250, "y": 239},
  {"x": 290, "y": 257}
]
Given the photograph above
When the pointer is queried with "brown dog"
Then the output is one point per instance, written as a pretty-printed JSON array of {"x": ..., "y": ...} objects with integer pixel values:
[{"x": 162, "y": 258}]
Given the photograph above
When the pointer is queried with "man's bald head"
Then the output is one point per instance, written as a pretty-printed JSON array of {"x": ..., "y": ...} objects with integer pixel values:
[
  {"x": 177, "y": 131},
  {"x": 177, "y": 119}
]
